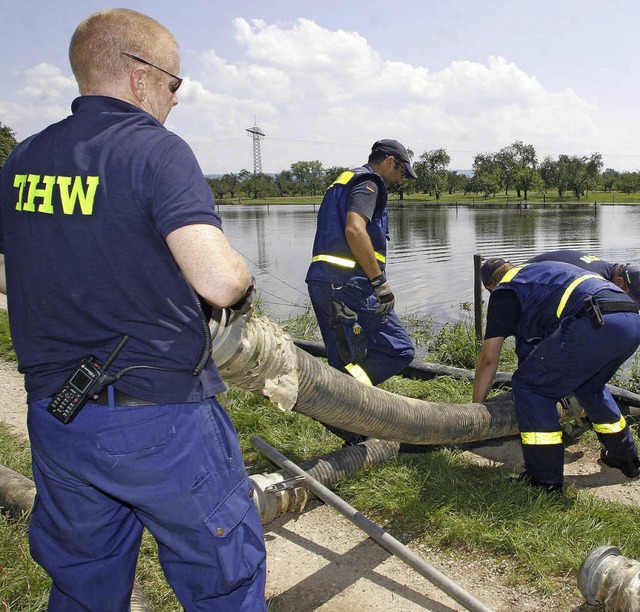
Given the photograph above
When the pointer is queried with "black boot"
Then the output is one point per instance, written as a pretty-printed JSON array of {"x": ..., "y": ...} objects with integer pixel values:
[
  {"x": 547, "y": 487},
  {"x": 350, "y": 438},
  {"x": 630, "y": 467}
]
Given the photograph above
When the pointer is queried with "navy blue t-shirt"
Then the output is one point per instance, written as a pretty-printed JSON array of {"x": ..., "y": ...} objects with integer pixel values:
[{"x": 85, "y": 208}]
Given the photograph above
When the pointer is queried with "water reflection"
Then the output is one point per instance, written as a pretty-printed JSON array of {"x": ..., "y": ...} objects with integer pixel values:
[{"x": 431, "y": 250}]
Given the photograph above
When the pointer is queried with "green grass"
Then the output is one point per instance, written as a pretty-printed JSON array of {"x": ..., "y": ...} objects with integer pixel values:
[
  {"x": 6, "y": 346},
  {"x": 533, "y": 197},
  {"x": 439, "y": 499},
  {"x": 510, "y": 199}
]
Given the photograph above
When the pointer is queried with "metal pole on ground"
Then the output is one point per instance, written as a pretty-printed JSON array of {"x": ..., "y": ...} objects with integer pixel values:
[
  {"x": 477, "y": 297},
  {"x": 376, "y": 533}
]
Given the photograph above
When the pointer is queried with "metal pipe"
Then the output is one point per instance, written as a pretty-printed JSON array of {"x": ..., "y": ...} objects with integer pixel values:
[{"x": 376, "y": 533}]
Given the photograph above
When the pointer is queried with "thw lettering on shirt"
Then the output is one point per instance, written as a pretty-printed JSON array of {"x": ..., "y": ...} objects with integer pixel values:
[{"x": 36, "y": 193}]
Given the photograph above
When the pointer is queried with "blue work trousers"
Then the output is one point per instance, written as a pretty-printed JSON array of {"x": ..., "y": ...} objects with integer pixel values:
[
  {"x": 575, "y": 359},
  {"x": 389, "y": 348},
  {"x": 176, "y": 470}
]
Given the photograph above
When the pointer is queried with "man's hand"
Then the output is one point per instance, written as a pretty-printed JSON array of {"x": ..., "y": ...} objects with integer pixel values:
[{"x": 384, "y": 294}]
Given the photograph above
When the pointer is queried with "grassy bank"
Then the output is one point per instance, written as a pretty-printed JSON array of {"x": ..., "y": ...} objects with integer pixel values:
[
  {"x": 438, "y": 499},
  {"x": 509, "y": 199}
]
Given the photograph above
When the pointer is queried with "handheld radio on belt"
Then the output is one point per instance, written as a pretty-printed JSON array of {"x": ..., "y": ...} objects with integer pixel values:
[{"x": 86, "y": 382}]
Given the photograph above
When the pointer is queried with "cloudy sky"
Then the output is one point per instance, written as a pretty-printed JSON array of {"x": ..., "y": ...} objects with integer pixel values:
[{"x": 324, "y": 79}]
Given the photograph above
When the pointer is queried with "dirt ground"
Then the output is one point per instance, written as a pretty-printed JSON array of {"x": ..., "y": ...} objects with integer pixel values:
[{"x": 318, "y": 560}]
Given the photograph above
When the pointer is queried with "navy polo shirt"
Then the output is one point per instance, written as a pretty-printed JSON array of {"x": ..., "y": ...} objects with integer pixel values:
[{"x": 85, "y": 208}]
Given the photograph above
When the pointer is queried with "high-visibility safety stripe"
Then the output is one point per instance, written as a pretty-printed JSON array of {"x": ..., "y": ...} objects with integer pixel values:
[
  {"x": 569, "y": 290},
  {"x": 609, "y": 428},
  {"x": 565, "y": 296},
  {"x": 511, "y": 273},
  {"x": 540, "y": 438},
  {"x": 336, "y": 261},
  {"x": 358, "y": 373},
  {"x": 344, "y": 178},
  {"x": 343, "y": 261}
]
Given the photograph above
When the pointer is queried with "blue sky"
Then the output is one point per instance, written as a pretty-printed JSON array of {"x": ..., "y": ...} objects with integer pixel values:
[{"x": 324, "y": 80}]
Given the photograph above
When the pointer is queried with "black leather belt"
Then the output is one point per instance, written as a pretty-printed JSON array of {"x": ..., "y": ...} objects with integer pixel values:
[
  {"x": 120, "y": 399},
  {"x": 605, "y": 307}
]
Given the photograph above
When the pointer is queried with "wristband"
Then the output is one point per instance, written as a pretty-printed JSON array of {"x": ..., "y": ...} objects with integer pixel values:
[{"x": 378, "y": 280}]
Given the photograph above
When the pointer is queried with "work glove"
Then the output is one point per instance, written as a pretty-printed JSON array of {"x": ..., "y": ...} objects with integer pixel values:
[
  {"x": 244, "y": 304},
  {"x": 384, "y": 294}
]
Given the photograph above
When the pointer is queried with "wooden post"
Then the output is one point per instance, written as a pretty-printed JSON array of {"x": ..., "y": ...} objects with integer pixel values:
[{"x": 477, "y": 296}]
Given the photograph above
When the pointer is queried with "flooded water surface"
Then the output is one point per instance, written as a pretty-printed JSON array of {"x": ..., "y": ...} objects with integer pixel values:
[{"x": 430, "y": 254}]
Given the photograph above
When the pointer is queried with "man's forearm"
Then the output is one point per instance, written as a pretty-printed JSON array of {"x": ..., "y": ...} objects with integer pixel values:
[{"x": 486, "y": 368}]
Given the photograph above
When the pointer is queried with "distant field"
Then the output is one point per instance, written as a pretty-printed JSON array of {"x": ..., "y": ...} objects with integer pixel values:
[{"x": 598, "y": 197}]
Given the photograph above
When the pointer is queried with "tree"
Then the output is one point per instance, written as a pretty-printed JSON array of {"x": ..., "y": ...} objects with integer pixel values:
[
  {"x": 580, "y": 172},
  {"x": 594, "y": 167},
  {"x": 217, "y": 187},
  {"x": 629, "y": 182},
  {"x": 7, "y": 142},
  {"x": 486, "y": 175},
  {"x": 432, "y": 172},
  {"x": 230, "y": 182},
  {"x": 455, "y": 182},
  {"x": 526, "y": 179},
  {"x": 284, "y": 183},
  {"x": 550, "y": 174},
  {"x": 514, "y": 163},
  {"x": 309, "y": 176},
  {"x": 259, "y": 185},
  {"x": 609, "y": 178}
]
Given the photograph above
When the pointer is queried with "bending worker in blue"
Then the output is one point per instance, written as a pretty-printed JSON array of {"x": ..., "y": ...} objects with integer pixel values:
[
  {"x": 573, "y": 330},
  {"x": 625, "y": 276},
  {"x": 348, "y": 287}
]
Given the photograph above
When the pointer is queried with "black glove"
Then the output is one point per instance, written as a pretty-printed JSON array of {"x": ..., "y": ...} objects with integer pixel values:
[
  {"x": 384, "y": 294},
  {"x": 243, "y": 305}
]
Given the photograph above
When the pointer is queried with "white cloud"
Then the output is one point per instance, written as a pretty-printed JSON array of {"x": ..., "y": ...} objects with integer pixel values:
[
  {"x": 46, "y": 82},
  {"x": 328, "y": 94},
  {"x": 307, "y": 83}
]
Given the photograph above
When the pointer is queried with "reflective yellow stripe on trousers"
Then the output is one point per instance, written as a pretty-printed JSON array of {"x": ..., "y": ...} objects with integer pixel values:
[
  {"x": 541, "y": 437},
  {"x": 609, "y": 428}
]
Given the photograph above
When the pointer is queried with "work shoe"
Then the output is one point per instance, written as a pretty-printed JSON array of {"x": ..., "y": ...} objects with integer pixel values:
[
  {"x": 630, "y": 468},
  {"x": 547, "y": 487}
]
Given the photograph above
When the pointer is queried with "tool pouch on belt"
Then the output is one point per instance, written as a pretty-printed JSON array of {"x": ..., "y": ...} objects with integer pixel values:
[
  {"x": 593, "y": 312},
  {"x": 352, "y": 343}
]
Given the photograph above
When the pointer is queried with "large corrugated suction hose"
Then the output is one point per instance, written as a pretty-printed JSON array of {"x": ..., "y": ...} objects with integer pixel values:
[{"x": 255, "y": 354}]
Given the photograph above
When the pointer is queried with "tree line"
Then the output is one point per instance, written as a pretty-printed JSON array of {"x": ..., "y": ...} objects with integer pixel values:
[{"x": 514, "y": 167}]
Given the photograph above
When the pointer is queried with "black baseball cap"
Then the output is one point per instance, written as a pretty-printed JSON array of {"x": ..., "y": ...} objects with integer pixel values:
[
  {"x": 631, "y": 275},
  {"x": 393, "y": 147},
  {"x": 489, "y": 266}
]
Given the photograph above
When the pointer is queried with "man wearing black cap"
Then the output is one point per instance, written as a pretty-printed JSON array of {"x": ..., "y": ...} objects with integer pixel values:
[
  {"x": 625, "y": 276},
  {"x": 573, "y": 330},
  {"x": 351, "y": 297}
]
